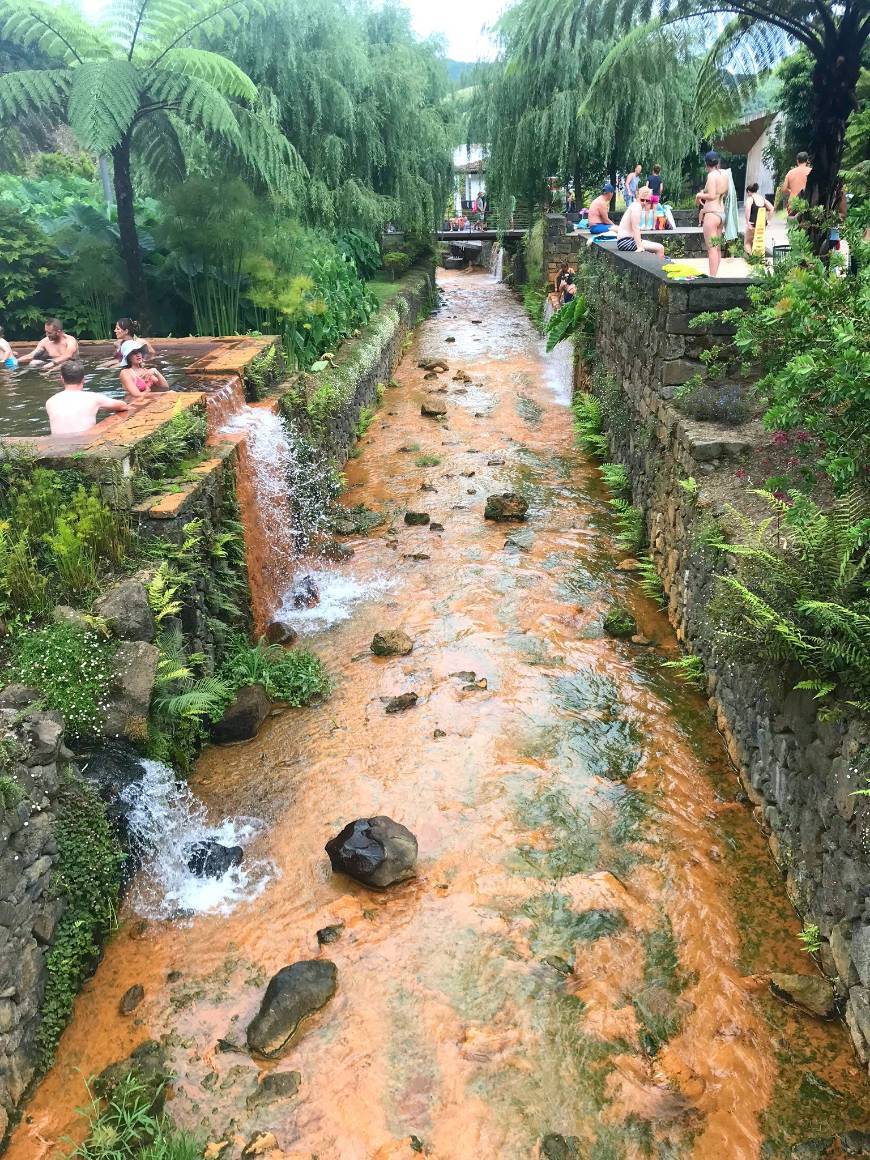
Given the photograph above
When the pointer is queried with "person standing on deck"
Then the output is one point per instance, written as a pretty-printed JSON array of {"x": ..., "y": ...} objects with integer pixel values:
[
  {"x": 631, "y": 184},
  {"x": 711, "y": 216},
  {"x": 55, "y": 349},
  {"x": 655, "y": 183}
]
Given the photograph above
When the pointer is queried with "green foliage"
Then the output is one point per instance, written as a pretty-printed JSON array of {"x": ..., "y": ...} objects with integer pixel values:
[
  {"x": 715, "y": 402},
  {"x": 619, "y": 622},
  {"x": 807, "y": 330},
  {"x": 71, "y": 667},
  {"x": 630, "y": 526},
  {"x": 364, "y": 420},
  {"x": 690, "y": 486},
  {"x": 649, "y": 581},
  {"x": 427, "y": 460},
  {"x": 588, "y": 424},
  {"x": 87, "y": 878},
  {"x": 167, "y": 453},
  {"x": 294, "y": 676},
  {"x": 811, "y": 938},
  {"x": 689, "y": 669},
  {"x": 616, "y": 479},
  {"x": 793, "y": 98},
  {"x": 11, "y": 792},
  {"x": 396, "y": 262},
  {"x": 127, "y": 1125},
  {"x": 572, "y": 320},
  {"x": 183, "y": 704},
  {"x": 800, "y": 592},
  {"x": 663, "y": 981},
  {"x": 534, "y": 300},
  {"x": 30, "y": 270},
  {"x": 263, "y": 372},
  {"x": 58, "y": 539},
  {"x": 362, "y": 249}
]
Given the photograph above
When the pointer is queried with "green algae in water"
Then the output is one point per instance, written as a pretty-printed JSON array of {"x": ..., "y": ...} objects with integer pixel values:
[
  {"x": 411, "y": 1063},
  {"x": 528, "y": 410},
  {"x": 663, "y": 983},
  {"x": 557, "y": 928}
]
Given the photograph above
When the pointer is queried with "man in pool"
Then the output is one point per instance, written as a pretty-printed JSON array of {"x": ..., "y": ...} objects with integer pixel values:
[
  {"x": 55, "y": 349},
  {"x": 73, "y": 411}
]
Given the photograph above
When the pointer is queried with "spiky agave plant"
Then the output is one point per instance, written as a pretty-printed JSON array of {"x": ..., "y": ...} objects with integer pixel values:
[{"x": 129, "y": 87}]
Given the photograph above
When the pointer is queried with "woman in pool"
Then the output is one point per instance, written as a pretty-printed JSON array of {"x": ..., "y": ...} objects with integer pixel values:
[
  {"x": 7, "y": 357},
  {"x": 137, "y": 379},
  {"x": 127, "y": 334}
]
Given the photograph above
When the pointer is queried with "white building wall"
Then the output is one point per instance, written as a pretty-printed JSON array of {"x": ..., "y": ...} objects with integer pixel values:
[{"x": 756, "y": 167}]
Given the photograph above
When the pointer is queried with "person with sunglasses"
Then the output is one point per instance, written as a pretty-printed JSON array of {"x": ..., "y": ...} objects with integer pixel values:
[{"x": 628, "y": 237}]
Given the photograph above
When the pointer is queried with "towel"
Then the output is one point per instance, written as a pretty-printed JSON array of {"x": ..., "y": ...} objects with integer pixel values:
[
  {"x": 732, "y": 225},
  {"x": 758, "y": 238}
]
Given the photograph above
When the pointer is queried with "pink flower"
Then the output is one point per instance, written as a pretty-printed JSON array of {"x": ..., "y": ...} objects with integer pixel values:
[
  {"x": 780, "y": 439},
  {"x": 802, "y": 436},
  {"x": 740, "y": 473}
]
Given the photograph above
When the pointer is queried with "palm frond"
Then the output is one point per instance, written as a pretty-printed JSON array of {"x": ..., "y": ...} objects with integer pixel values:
[{"x": 103, "y": 100}]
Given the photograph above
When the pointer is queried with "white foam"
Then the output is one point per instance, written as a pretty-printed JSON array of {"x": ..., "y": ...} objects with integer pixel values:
[
  {"x": 339, "y": 592},
  {"x": 165, "y": 819}
]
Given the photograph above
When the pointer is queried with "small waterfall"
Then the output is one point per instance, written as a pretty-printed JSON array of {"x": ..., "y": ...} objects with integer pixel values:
[
  {"x": 496, "y": 262},
  {"x": 222, "y": 404},
  {"x": 283, "y": 493},
  {"x": 165, "y": 821}
]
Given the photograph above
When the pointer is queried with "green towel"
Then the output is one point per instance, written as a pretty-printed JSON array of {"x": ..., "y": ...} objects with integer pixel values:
[{"x": 732, "y": 226}]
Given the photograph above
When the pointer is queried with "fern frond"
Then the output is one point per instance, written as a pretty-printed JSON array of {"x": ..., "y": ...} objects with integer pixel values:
[
  {"x": 57, "y": 33},
  {"x": 39, "y": 92},
  {"x": 103, "y": 100},
  {"x": 202, "y": 20},
  {"x": 268, "y": 154},
  {"x": 194, "y": 101},
  {"x": 159, "y": 151},
  {"x": 216, "y": 70},
  {"x": 204, "y": 698}
]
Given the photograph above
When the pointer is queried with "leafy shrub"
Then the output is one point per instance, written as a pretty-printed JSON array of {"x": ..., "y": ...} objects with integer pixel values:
[
  {"x": 800, "y": 592},
  {"x": 689, "y": 669},
  {"x": 573, "y": 320},
  {"x": 616, "y": 478},
  {"x": 806, "y": 329},
  {"x": 184, "y": 703},
  {"x": 619, "y": 622},
  {"x": 58, "y": 538},
  {"x": 87, "y": 877},
  {"x": 361, "y": 249},
  {"x": 396, "y": 262},
  {"x": 11, "y": 792},
  {"x": 649, "y": 581},
  {"x": 263, "y": 372},
  {"x": 294, "y": 676},
  {"x": 30, "y": 269},
  {"x": 128, "y": 1125},
  {"x": 71, "y": 667},
  {"x": 427, "y": 460}
]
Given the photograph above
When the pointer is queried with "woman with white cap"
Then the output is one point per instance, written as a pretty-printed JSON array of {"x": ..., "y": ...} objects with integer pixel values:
[{"x": 137, "y": 379}]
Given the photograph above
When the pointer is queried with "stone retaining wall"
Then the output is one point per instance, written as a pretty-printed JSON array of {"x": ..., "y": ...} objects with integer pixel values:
[
  {"x": 32, "y": 745},
  {"x": 326, "y": 406},
  {"x": 800, "y": 771}
]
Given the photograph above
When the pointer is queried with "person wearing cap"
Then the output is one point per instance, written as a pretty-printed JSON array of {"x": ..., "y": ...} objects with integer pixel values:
[
  {"x": 138, "y": 380},
  {"x": 599, "y": 211},
  {"x": 711, "y": 217}
]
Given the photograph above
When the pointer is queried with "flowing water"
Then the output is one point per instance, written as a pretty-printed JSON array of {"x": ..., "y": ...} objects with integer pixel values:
[{"x": 583, "y": 949}]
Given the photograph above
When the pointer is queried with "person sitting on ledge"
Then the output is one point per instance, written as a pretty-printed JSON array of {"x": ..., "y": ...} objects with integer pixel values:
[
  {"x": 55, "y": 349},
  {"x": 628, "y": 234},
  {"x": 73, "y": 411},
  {"x": 137, "y": 379},
  {"x": 599, "y": 212}
]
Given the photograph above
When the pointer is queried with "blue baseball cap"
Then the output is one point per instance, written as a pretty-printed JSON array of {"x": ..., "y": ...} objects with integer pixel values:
[{"x": 607, "y": 188}]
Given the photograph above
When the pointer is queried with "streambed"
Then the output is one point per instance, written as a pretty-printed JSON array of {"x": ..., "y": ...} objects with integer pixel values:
[{"x": 582, "y": 951}]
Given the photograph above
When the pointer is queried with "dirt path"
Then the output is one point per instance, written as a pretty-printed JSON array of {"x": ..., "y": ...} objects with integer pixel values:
[{"x": 577, "y": 953}]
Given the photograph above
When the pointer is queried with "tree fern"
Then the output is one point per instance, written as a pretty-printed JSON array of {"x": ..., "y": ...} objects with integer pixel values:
[{"x": 103, "y": 100}]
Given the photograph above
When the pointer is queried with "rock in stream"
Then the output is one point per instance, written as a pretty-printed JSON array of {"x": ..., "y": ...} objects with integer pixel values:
[
  {"x": 375, "y": 851},
  {"x": 296, "y": 992}
]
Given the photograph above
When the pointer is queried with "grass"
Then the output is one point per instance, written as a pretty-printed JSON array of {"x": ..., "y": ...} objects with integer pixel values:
[
  {"x": 427, "y": 460},
  {"x": 128, "y": 1125}
]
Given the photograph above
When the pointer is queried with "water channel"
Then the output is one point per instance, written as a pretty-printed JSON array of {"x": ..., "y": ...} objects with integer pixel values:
[{"x": 583, "y": 950}]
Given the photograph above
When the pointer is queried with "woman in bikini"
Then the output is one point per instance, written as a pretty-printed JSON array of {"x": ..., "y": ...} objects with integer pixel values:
[
  {"x": 711, "y": 218},
  {"x": 137, "y": 379}
]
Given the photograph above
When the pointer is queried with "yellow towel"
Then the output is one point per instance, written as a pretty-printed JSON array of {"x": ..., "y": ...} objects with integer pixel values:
[{"x": 758, "y": 240}]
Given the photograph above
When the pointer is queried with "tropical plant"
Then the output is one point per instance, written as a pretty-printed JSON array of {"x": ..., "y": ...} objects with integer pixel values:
[
  {"x": 630, "y": 525},
  {"x": 589, "y": 424},
  {"x": 689, "y": 669},
  {"x": 294, "y": 676},
  {"x": 534, "y": 301},
  {"x": 616, "y": 479},
  {"x": 800, "y": 593},
  {"x": 759, "y": 35},
  {"x": 30, "y": 270},
  {"x": 360, "y": 248},
  {"x": 128, "y": 1124},
  {"x": 571, "y": 321},
  {"x": 137, "y": 88}
]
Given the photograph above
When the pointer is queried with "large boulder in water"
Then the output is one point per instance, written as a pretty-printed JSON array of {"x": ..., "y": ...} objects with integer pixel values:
[
  {"x": 293, "y": 994},
  {"x": 505, "y": 507},
  {"x": 209, "y": 859},
  {"x": 392, "y": 642},
  {"x": 280, "y": 632},
  {"x": 811, "y": 993},
  {"x": 243, "y": 716},
  {"x": 375, "y": 851}
]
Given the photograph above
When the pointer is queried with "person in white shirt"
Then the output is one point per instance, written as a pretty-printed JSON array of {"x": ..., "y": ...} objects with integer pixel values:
[{"x": 73, "y": 411}]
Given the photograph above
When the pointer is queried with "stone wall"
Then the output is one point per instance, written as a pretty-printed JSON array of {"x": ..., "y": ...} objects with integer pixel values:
[
  {"x": 560, "y": 246},
  {"x": 800, "y": 768},
  {"x": 326, "y": 406},
  {"x": 32, "y": 747}
]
